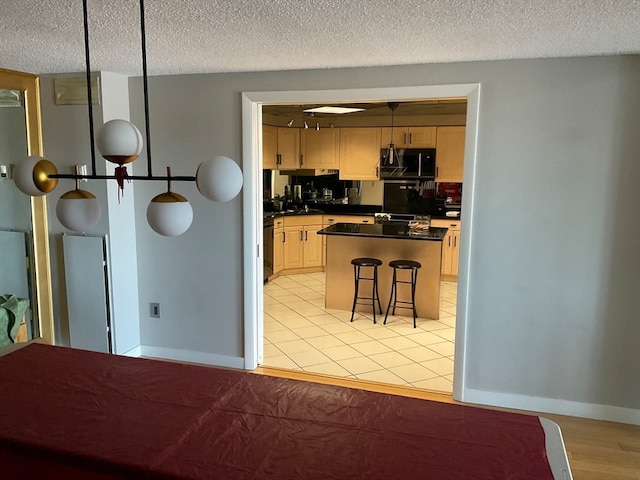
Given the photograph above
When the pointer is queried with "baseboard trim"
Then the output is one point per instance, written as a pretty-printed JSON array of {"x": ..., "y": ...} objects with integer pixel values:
[
  {"x": 553, "y": 405},
  {"x": 134, "y": 352},
  {"x": 191, "y": 356}
]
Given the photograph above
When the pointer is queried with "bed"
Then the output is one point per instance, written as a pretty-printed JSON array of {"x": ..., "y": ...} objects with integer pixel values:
[{"x": 72, "y": 414}]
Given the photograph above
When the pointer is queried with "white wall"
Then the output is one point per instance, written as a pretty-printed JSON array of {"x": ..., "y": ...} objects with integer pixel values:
[
  {"x": 66, "y": 143},
  {"x": 122, "y": 231},
  {"x": 554, "y": 265}
]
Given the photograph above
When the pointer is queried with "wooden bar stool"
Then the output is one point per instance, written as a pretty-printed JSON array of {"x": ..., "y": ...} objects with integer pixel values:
[
  {"x": 359, "y": 263},
  {"x": 403, "y": 265}
]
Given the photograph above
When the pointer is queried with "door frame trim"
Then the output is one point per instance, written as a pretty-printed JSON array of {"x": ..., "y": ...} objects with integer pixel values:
[{"x": 252, "y": 200}]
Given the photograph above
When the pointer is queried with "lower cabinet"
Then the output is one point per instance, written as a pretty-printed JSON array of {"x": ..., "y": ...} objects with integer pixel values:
[
  {"x": 450, "y": 248},
  {"x": 278, "y": 246},
  {"x": 302, "y": 246}
]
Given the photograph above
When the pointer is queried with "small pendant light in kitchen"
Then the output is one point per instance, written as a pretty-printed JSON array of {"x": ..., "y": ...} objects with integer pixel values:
[{"x": 392, "y": 154}]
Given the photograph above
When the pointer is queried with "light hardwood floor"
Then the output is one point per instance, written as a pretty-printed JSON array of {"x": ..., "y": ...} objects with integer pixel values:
[{"x": 597, "y": 450}]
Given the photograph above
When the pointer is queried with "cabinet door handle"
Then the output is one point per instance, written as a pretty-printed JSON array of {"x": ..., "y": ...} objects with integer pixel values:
[
  {"x": 300, "y": 235},
  {"x": 437, "y": 171},
  {"x": 365, "y": 221},
  {"x": 301, "y": 159},
  {"x": 331, "y": 219},
  {"x": 449, "y": 242},
  {"x": 377, "y": 171},
  {"x": 306, "y": 235},
  {"x": 278, "y": 159},
  {"x": 404, "y": 138},
  {"x": 455, "y": 241},
  {"x": 284, "y": 237},
  {"x": 410, "y": 138}
]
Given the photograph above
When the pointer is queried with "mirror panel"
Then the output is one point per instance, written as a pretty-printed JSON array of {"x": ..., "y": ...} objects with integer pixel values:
[{"x": 36, "y": 241}]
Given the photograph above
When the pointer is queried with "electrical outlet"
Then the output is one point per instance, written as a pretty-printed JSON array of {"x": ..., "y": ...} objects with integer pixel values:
[{"x": 155, "y": 310}]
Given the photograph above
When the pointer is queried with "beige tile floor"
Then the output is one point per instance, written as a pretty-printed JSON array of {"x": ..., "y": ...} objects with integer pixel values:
[{"x": 300, "y": 334}]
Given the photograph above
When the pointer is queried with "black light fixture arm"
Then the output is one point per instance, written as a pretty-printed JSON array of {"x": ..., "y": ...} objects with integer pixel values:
[{"x": 184, "y": 178}]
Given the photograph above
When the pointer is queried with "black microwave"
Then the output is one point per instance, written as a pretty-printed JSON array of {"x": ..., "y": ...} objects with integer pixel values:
[{"x": 409, "y": 163}]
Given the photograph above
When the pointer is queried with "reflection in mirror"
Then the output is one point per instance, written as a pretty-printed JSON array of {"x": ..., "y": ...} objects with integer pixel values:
[
  {"x": 25, "y": 279},
  {"x": 16, "y": 294}
]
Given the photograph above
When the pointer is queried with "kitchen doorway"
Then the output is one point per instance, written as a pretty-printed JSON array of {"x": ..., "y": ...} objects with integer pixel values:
[{"x": 252, "y": 163}]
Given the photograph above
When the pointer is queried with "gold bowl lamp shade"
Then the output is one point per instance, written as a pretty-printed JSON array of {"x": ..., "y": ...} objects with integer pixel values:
[
  {"x": 169, "y": 214},
  {"x": 78, "y": 210},
  {"x": 119, "y": 141},
  {"x": 31, "y": 176}
]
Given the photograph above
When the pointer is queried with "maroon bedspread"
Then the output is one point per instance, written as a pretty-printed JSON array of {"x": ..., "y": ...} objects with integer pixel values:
[{"x": 75, "y": 414}]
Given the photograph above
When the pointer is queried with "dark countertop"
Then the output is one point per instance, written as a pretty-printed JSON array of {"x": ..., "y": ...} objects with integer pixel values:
[
  {"x": 320, "y": 208},
  {"x": 383, "y": 230},
  {"x": 340, "y": 209}
]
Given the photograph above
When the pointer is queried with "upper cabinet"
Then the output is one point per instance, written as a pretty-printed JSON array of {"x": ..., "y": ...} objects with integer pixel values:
[
  {"x": 450, "y": 154},
  {"x": 360, "y": 153},
  {"x": 355, "y": 151},
  {"x": 269, "y": 147},
  {"x": 320, "y": 148},
  {"x": 280, "y": 147},
  {"x": 410, "y": 137},
  {"x": 288, "y": 148}
]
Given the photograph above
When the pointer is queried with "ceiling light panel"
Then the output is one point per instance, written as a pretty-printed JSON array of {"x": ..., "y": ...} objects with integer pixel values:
[{"x": 334, "y": 110}]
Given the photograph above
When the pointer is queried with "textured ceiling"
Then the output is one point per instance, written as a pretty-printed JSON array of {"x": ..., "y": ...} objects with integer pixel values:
[{"x": 197, "y": 36}]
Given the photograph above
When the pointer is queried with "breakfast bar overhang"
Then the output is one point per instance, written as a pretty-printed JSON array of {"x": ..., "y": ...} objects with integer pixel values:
[{"x": 386, "y": 241}]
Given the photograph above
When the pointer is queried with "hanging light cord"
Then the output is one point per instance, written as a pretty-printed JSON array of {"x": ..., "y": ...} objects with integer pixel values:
[
  {"x": 94, "y": 176},
  {"x": 145, "y": 87},
  {"x": 89, "y": 94}
]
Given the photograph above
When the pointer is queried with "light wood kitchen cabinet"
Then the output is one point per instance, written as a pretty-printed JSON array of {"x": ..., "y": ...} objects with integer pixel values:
[
  {"x": 269, "y": 147},
  {"x": 450, "y": 154},
  {"x": 288, "y": 148},
  {"x": 280, "y": 148},
  {"x": 278, "y": 245},
  {"x": 360, "y": 153},
  {"x": 320, "y": 149},
  {"x": 409, "y": 137},
  {"x": 450, "y": 248},
  {"x": 302, "y": 248}
]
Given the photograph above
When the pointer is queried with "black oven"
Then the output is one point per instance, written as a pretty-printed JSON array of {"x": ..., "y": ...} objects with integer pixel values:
[
  {"x": 267, "y": 246},
  {"x": 409, "y": 163}
]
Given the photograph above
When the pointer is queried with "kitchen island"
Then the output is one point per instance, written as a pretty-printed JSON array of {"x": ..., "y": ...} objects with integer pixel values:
[{"x": 386, "y": 241}]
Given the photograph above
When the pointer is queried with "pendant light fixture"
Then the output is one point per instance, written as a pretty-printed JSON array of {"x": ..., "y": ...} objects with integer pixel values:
[
  {"x": 392, "y": 154},
  {"x": 78, "y": 210},
  {"x": 120, "y": 142}
]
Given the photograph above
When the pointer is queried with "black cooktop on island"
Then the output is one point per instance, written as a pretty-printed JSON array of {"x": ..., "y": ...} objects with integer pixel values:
[{"x": 384, "y": 230}]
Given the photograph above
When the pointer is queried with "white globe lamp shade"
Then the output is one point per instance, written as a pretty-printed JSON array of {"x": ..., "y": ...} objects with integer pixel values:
[
  {"x": 31, "y": 176},
  {"x": 169, "y": 214},
  {"x": 78, "y": 210},
  {"x": 219, "y": 179},
  {"x": 119, "y": 141}
]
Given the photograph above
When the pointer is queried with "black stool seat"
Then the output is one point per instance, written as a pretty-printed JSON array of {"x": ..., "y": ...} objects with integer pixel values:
[
  {"x": 403, "y": 265},
  {"x": 366, "y": 262}
]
